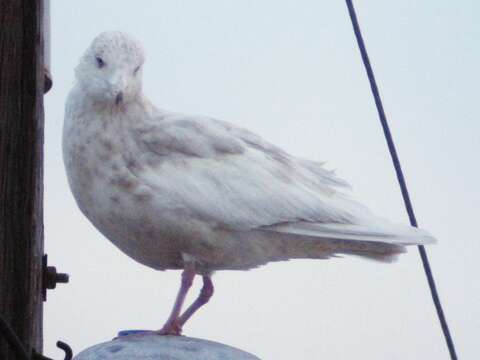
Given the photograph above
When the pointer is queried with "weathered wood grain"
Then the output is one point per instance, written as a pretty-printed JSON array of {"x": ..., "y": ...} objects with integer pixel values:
[{"x": 21, "y": 170}]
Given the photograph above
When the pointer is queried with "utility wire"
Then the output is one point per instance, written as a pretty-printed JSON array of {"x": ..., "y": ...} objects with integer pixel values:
[
  {"x": 401, "y": 178},
  {"x": 7, "y": 332}
]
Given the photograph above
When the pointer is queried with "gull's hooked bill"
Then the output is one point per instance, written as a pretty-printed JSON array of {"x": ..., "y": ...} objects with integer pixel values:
[{"x": 119, "y": 98}]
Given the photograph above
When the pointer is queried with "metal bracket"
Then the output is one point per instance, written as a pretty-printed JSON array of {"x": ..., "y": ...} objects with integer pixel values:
[
  {"x": 51, "y": 277},
  {"x": 61, "y": 345}
]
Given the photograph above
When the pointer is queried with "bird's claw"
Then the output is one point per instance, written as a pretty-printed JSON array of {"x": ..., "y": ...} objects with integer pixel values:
[{"x": 173, "y": 329}]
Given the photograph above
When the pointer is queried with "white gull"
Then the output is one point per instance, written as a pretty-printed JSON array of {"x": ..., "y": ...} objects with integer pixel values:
[{"x": 175, "y": 191}]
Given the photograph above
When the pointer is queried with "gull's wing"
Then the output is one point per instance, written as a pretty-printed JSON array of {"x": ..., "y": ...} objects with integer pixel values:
[{"x": 233, "y": 179}]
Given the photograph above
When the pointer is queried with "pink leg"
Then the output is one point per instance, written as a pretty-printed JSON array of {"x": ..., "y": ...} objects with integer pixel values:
[
  {"x": 205, "y": 295},
  {"x": 173, "y": 326}
]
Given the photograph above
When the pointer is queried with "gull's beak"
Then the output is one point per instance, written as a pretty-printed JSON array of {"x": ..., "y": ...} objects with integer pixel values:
[
  {"x": 118, "y": 83},
  {"x": 119, "y": 98}
]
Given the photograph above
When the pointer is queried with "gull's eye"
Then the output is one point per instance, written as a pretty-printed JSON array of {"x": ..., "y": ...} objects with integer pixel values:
[
  {"x": 100, "y": 62},
  {"x": 136, "y": 70}
]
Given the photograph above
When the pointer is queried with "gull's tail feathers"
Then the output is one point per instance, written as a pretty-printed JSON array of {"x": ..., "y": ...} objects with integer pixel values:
[{"x": 382, "y": 241}]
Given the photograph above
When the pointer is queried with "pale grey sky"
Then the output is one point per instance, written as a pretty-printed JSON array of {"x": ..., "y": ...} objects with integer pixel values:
[{"x": 291, "y": 71}]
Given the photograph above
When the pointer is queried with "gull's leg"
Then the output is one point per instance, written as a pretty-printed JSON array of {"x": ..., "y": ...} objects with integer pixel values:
[
  {"x": 173, "y": 326},
  {"x": 205, "y": 295}
]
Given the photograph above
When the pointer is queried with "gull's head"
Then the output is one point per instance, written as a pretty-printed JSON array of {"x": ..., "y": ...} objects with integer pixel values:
[{"x": 110, "y": 71}]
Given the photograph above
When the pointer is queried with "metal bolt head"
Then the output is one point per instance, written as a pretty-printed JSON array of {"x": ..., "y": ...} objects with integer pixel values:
[{"x": 51, "y": 277}]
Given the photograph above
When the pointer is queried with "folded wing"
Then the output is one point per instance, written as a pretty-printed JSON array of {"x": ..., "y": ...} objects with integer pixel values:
[{"x": 235, "y": 180}]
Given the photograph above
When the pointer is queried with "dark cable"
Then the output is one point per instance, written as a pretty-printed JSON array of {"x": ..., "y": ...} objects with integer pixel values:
[
  {"x": 13, "y": 340},
  {"x": 401, "y": 178},
  {"x": 7, "y": 332}
]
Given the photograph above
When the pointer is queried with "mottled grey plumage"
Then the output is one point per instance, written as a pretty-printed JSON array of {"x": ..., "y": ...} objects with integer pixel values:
[
  {"x": 165, "y": 187},
  {"x": 174, "y": 191}
]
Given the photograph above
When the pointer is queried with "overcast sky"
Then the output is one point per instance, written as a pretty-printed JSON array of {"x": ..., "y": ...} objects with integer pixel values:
[{"x": 291, "y": 72}]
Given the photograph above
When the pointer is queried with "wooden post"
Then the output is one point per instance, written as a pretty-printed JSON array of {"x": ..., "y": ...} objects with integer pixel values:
[{"x": 21, "y": 171}]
